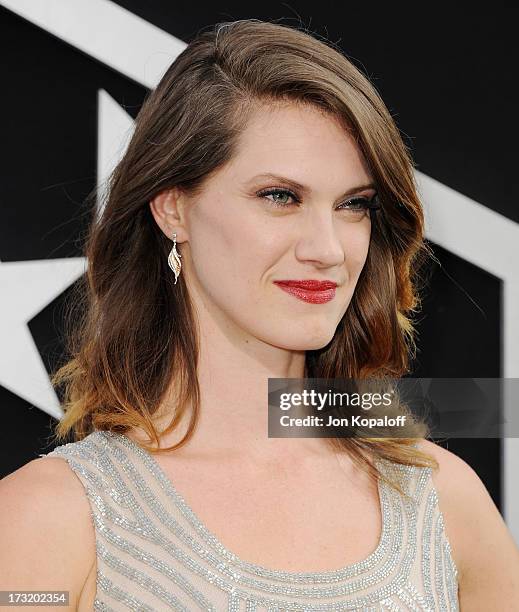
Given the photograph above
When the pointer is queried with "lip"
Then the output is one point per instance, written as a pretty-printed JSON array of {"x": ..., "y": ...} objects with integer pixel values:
[{"x": 312, "y": 291}]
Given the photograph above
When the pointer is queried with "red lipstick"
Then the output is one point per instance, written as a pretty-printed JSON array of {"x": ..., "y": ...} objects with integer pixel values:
[{"x": 313, "y": 291}]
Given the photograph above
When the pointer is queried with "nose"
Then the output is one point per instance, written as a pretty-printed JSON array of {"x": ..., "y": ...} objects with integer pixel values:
[{"x": 319, "y": 242}]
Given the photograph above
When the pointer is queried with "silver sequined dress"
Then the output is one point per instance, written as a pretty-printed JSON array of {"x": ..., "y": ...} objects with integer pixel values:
[{"x": 154, "y": 553}]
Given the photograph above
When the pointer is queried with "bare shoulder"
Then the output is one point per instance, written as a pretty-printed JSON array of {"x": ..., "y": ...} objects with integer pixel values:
[
  {"x": 48, "y": 539},
  {"x": 483, "y": 547}
]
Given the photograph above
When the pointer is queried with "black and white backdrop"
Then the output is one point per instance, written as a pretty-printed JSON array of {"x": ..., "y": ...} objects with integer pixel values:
[{"x": 74, "y": 74}]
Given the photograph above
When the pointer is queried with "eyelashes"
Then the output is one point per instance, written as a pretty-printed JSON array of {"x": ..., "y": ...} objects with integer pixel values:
[{"x": 356, "y": 206}]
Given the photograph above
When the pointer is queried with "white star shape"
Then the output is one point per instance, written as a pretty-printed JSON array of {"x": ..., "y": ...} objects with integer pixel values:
[{"x": 26, "y": 288}]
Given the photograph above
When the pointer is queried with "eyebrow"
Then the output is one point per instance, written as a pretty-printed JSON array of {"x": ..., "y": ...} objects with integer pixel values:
[{"x": 304, "y": 188}]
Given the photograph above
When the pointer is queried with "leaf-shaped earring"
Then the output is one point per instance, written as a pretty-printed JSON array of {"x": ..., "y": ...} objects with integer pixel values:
[{"x": 174, "y": 259}]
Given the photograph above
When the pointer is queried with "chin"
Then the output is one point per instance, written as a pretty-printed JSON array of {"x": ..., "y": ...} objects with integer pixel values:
[
  {"x": 318, "y": 344},
  {"x": 304, "y": 341}
]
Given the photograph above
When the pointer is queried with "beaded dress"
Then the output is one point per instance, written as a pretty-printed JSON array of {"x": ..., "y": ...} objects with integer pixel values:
[{"x": 154, "y": 553}]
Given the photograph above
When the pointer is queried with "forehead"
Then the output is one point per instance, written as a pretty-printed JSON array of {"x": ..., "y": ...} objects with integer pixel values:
[{"x": 300, "y": 141}]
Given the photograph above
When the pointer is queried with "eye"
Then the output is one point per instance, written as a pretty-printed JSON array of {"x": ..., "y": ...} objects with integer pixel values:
[
  {"x": 354, "y": 207},
  {"x": 360, "y": 204},
  {"x": 276, "y": 192}
]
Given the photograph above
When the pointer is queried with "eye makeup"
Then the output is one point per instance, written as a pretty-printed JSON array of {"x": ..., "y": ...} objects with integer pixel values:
[{"x": 354, "y": 207}]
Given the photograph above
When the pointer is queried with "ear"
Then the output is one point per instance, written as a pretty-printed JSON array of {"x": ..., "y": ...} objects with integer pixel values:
[{"x": 168, "y": 210}]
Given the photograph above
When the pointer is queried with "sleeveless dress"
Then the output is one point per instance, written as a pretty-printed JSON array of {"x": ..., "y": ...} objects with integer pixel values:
[{"x": 154, "y": 553}]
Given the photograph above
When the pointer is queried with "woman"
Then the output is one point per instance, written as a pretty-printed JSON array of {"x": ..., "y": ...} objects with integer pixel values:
[{"x": 262, "y": 157}]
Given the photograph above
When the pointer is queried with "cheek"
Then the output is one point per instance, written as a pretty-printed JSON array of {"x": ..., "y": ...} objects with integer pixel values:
[
  {"x": 227, "y": 248},
  {"x": 356, "y": 247}
]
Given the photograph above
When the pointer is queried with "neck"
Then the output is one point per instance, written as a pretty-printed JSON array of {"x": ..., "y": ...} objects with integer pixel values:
[{"x": 233, "y": 372}]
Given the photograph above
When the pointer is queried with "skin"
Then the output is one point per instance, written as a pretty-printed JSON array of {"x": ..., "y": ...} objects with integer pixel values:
[
  {"x": 252, "y": 330},
  {"x": 234, "y": 243}
]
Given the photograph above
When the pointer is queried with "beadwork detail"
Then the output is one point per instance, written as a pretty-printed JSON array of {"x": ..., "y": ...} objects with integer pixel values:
[{"x": 154, "y": 553}]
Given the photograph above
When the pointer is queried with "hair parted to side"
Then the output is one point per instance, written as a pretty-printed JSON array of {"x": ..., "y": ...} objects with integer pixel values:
[{"x": 132, "y": 331}]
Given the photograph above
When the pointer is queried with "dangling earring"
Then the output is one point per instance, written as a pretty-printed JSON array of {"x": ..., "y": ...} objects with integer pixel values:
[{"x": 174, "y": 259}]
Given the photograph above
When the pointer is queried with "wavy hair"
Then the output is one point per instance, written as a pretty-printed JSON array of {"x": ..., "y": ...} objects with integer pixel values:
[{"x": 132, "y": 332}]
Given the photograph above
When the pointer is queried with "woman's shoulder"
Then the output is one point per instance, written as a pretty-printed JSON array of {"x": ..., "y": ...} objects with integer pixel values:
[
  {"x": 48, "y": 540},
  {"x": 45, "y": 486},
  {"x": 483, "y": 549},
  {"x": 455, "y": 481},
  {"x": 463, "y": 498}
]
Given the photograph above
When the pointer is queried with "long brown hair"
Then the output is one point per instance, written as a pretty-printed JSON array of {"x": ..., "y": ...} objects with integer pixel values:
[{"x": 132, "y": 331}]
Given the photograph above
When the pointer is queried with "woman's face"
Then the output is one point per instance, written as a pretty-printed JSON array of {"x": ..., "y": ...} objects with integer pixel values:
[{"x": 239, "y": 240}]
